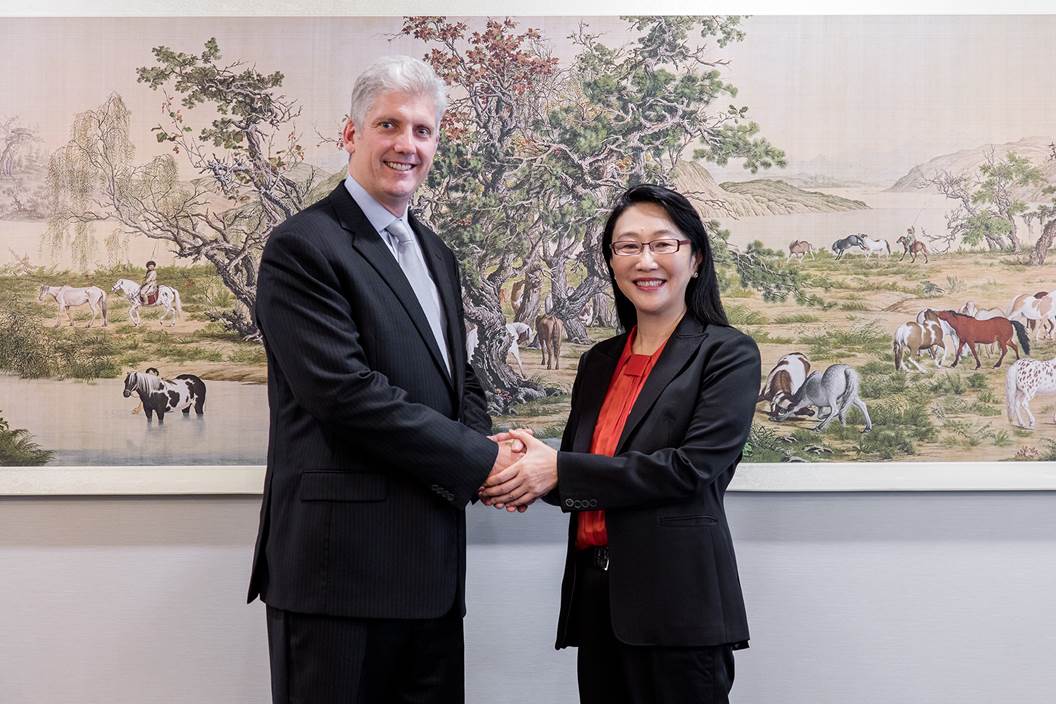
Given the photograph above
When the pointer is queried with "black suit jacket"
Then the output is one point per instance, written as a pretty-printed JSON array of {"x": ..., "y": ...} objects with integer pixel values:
[
  {"x": 673, "y": 575},
  {"x": 374, "y": 449}
]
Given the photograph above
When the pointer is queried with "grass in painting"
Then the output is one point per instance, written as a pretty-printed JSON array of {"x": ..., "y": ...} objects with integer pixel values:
[
  {"x": 17, "y": 448},
  {"x": 31, "y": 347}
]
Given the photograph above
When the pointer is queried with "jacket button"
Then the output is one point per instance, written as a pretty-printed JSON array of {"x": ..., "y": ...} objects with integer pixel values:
[{"x": 569, "y": 503}]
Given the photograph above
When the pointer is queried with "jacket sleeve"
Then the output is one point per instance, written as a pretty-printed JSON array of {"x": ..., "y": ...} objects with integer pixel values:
[
  {"x": 474, "y": 402},
  {"x": 553, "y": 497},
  {"x": 308, "y": 327},
  {"x": 721, "y": 420}
]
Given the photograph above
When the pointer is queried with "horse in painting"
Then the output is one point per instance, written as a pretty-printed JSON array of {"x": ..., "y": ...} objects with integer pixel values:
[
  {"x": 1025, "y": 379},
  {"x": 163, "y": 396},
  {"x": 68, "y": 297},
  {"x": 836, "y": 389},
  {"x": 798, "y": 249},
  {"x": 168, "y": 298},
  {"x": 971, "y": 331}
]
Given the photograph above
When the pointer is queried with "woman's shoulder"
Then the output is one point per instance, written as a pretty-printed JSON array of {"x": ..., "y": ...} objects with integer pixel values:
[
  {"x": 725, "y": 340},
  {"x": 609, "y": 347},
  {"x": 732, "y": 346},
  {"x": 728, "y": 334}
]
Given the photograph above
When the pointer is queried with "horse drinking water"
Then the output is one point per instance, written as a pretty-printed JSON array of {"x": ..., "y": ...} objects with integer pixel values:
[{"x": 163, "y": 396}]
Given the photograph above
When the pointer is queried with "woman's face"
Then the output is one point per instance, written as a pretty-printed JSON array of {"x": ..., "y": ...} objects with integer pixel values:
[{"x": 654, "y": 283}]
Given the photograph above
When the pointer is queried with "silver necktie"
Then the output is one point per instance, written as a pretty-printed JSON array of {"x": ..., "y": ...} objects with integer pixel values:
[{"x": 409, "y": 257}]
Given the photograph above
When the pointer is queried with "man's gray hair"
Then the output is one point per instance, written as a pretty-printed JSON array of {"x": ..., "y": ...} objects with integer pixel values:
[{"x": 396, "y": 73}]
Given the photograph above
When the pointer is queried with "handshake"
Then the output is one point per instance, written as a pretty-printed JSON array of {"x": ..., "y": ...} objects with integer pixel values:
[{"x": 524, "y": 470}]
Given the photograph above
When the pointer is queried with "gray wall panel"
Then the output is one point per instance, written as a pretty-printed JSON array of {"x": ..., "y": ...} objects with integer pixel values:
[{"x": 853, "y": 598}]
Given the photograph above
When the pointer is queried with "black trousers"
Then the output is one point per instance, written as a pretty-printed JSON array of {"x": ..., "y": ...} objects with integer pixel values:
[
  {"x": 332, "y": 660},
  {"x": 611, "y": 672}
]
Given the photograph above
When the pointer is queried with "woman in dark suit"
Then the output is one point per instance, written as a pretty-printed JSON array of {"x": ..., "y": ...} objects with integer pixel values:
[{"x": 659, "y": 415}]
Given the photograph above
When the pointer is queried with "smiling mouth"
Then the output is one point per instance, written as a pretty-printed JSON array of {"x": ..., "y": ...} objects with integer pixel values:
[
  {"x": 649, "y": 284},
  {"x": 399, "y": 166}
]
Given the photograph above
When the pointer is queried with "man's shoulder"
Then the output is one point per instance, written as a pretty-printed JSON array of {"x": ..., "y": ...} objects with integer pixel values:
[{"x": 315, "y": 220}]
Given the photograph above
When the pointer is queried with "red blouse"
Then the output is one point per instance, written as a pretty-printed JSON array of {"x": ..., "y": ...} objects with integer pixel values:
[{"x": 627, "y": 381}]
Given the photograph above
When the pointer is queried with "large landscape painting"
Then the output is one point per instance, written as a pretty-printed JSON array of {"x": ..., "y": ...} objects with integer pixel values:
[{"x": 880, "y": 193}]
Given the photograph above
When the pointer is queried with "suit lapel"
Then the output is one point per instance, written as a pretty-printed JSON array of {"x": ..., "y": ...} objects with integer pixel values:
[
  {"x": 679, "y": 350},
  {"x": 593, "y": 387},
  {"x": 369, "y": 244}
]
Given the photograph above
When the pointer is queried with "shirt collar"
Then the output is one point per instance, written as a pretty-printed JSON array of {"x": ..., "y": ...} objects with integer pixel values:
[{"x": 376, "y": 213}]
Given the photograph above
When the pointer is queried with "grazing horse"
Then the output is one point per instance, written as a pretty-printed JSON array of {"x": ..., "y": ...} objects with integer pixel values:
[
  {"x": 168, "y": 298},
  {"x": 836, "y": 389},
  {"x": 971, "y": 331},
  {"x": 549, "y": 330},
  {"x": 799, "y": 249},
  {"x": 911, "y": 338},
  {"x": 162, "y": 396},
  {"x": 842, "y": 245},
  {"x": 1034, "y": 309},
  {"x": 1025, "y": 379},
  {"x": 912, "y": 247},
  {"x": 877, "y": 246},
  {"x": 784, "y": 381},
  {"x": 67, "y": 297}
]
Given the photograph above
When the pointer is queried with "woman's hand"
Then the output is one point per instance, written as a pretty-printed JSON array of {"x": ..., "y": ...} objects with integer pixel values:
[{"x": 534, "y": 475}]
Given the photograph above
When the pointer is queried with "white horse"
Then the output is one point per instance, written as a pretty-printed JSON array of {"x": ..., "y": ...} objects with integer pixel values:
[
  {"x": 168, "y": 298},
  {"x": 969, "y": 308},
  {"x": 67, "y": 297},
  {"x": 520, "y": 332},
  {"x": 1025, "y": 379},
  {"x": 877, "y": 247}
]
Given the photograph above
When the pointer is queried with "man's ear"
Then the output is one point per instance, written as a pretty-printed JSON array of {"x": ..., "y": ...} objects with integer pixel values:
[{"x": 348, "y": 136}]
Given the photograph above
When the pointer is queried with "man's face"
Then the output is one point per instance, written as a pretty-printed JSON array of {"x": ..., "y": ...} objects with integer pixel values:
[{"x": 390, "y": 154}]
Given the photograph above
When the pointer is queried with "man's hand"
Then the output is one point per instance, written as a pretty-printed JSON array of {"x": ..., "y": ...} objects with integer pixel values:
[
  {"x": 518, "y": 485},
  {"x": 510, "y": 450}
]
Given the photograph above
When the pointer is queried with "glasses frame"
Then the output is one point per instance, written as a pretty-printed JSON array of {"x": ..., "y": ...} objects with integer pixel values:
[{"x": 644, "y": 245}]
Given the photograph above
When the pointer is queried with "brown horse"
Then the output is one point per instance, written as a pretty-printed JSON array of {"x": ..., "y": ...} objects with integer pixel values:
[
  {"x": 549, "y": 330},
  {"x": 912, "y": 247},
  {"x": 971, "y": 330},
  {"x": 799, "y": 249}
]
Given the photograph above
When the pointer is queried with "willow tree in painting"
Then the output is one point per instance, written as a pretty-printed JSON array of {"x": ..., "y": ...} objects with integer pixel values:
[{"x": 250, "y": 174}]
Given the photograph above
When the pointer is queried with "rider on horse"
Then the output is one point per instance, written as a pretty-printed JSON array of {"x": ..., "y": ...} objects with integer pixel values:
[{"x": 148, "y": 290}]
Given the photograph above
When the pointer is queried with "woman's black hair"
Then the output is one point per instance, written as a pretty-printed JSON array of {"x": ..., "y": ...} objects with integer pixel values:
[
  {"x": 702, "y": 293},
  {"x": 152, "y": 262}
]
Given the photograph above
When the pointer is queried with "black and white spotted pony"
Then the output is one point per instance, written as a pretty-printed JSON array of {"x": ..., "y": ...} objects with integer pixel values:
[{"x": 163, "y": 396}]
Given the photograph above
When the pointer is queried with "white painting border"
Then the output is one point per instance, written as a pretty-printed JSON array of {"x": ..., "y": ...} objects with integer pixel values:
[{"x": 791, "y": 477}]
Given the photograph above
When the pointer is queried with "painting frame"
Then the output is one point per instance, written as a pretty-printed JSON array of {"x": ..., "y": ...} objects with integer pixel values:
[{"x": 751, "y": 477}]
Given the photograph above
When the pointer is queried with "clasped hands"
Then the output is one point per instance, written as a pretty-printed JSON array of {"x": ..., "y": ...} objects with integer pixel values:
[{"x": 525, "y": 469}]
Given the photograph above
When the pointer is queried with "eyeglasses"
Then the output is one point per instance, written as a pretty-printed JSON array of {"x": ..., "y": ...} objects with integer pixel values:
[{"x": 633, "y": 249}]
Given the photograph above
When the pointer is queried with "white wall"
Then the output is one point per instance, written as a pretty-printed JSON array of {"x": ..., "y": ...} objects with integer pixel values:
[{"x": 853, "y": 598}]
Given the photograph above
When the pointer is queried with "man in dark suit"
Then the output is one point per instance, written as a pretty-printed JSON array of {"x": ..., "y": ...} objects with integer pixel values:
[{"x": 377, "y": 439}]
